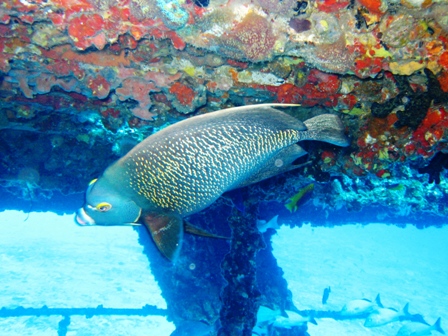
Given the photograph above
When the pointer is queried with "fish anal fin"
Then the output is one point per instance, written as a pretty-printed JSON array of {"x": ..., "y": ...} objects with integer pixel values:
[
  {"x": 166, "y": 231},
  {"x": 200, "y": 232}
]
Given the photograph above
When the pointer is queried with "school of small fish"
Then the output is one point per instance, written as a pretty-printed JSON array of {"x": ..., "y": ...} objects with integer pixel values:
[{"x": 374, "y": 313}]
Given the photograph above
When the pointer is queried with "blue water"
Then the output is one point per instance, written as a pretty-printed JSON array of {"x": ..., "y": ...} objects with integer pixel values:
[{"x": 62, "y": 279}]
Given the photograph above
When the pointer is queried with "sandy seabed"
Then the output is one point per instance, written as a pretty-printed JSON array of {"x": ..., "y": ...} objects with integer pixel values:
[
  {"x": 401, "y": 264},
  {"x": 48, "y": 260}
]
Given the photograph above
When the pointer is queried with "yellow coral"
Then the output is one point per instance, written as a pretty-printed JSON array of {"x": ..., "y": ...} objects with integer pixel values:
[
  {"x": 190, "y": 71},
  {"x": 379, "y": 52},
  {"x": 406, "y": 69}
]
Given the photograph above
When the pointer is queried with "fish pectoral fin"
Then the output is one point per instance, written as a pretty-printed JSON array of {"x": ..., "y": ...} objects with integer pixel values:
[
  {"x": 200, "y": 232},
  {"x": 166, "y": 231},
  {"x": 280, "y": 163}
]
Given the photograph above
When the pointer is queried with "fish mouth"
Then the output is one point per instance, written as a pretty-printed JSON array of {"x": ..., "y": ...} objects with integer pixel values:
[{"x": 83, "y": 219}]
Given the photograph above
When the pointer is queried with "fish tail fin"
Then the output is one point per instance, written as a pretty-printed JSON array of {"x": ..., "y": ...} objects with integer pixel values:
[
  {"x": 273, "y": 223},
  {"x": 438, "y": 326},
  {"x": 291, "y": 205},
  {"x": 328, "y": 128},
  {"x": 378, "y": 301}
]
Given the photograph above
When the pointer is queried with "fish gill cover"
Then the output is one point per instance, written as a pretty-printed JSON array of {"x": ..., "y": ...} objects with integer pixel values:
[{"x": 81, "y": 79}]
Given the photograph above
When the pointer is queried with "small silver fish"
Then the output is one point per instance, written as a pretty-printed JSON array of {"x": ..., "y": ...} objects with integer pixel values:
[
  {"x": 192, "y": 328},
  {"x": 266, "y": 315},
  {"x": 382, "y": 316},
  {"x": 293, "y": 320},
  {"x": 419, "y": 329},
  {"x": 360, "y": 307}
]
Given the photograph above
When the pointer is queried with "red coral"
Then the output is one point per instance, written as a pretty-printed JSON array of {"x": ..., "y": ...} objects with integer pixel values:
[
  {"x": 383, "y": 173},
  {"x": 27, "y": 18},
  {"x": 60, "y": 66},
  {"x": 237, "y": 64},
  {"x": 443, "y": 80},
  {"x": 347, "y": 102},
  {"x": 325, "y": 82},
  {"x": 73, "y": 6},
  {"x": 100, "y": 86},
  {"x": 64, "y": 67},
  {"x": 110, "y": 112},
  {"x": 176, "y": 40},
  {"x": 83, "y": 28},
  {"x": 56, "y": 18},
  {"x": 307, "y": 95},
  {"x": 374, "y": 6},
  {"x": 328, "y": 158},
  {"x": 430, "y": 131},
  {"x": 330, "y": 6},
  {"x": 117, "y": 22},
  {"x": 138, "y": 89},
  {"x": 368, "y": 66},
  {"x": 5, "y": 19},
  {"x": 288, "y": 94},
  {"x": 183, "y": 93},
  {"x": 443, "y": 60}
]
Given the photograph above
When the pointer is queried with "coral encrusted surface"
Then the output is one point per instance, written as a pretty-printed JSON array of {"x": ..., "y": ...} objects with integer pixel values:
[{"x": 83, "y": 81}]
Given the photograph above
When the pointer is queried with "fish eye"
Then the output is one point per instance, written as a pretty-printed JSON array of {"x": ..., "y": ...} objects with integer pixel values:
[{"x": 103, "y": 207}]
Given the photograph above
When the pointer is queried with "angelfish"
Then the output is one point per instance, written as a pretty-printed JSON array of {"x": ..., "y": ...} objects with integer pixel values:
[
  {"x": 293, "y": 320},
  {"x": 185, "y": 167}
]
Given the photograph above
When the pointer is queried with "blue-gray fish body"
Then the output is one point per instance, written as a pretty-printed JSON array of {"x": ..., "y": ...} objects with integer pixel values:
[{"x": 185, "y": 167}]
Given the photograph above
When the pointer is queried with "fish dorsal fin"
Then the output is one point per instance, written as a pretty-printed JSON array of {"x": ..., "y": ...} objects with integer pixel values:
[
  {"x": 166, "y": 231},
  {"x": 200, "y": 232},
  {"x": 378, "y": 301},
  {"x": 406, "y": 309}
]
